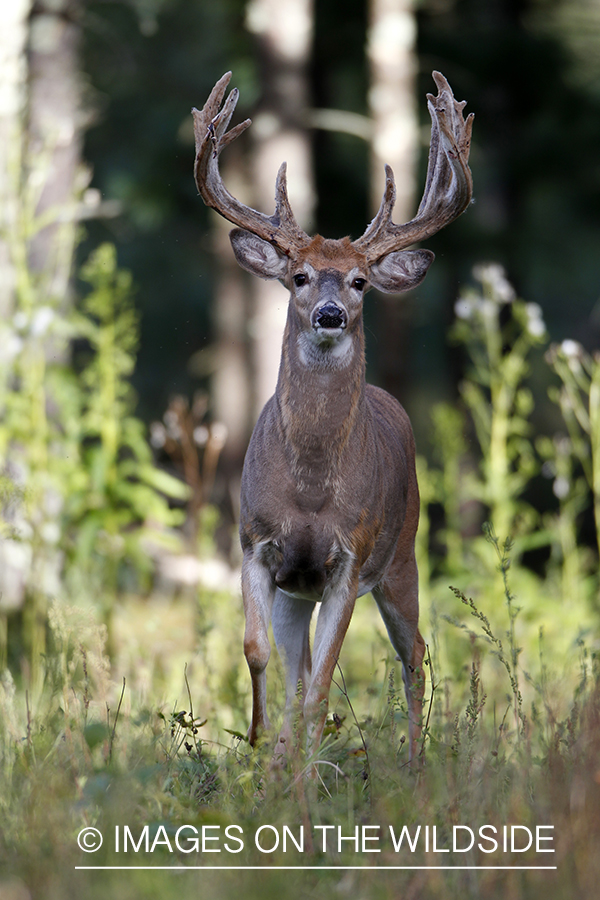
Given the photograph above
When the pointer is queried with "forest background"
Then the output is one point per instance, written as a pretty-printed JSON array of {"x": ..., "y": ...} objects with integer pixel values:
[{"x": 135, "y": 357}]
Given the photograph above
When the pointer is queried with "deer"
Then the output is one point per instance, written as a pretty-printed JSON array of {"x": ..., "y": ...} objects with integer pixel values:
[{"x": 329, "y": 497}]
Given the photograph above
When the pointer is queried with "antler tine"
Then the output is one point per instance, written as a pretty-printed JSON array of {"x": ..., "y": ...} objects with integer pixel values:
[
  {"x": 448, "y": 187},
  {"x": 210, "y": 130},
  {"x": 283, "y": 211},
  {"x": 449, "y": 129},
  {"x": 383, "y": 220}
]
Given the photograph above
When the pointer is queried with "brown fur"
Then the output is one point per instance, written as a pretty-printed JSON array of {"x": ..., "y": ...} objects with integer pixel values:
[{"x": 324, "y": 253}]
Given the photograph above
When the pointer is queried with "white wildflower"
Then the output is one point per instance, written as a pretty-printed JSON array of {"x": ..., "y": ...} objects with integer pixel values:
[
  {"x": 493, "y": 276},
  {"x": 50, "y": 533},
  {"x": 463, "y": 308},
  {"x": 487, "y": 308},
  {"x": 561, "y": 487},
  {"x": 535, "y": 321},
  {"x": 201, "y": 435},
  {"x": 92, "y": 198},
  {"x": 158, "y": 435},
  {"x": 486, "y": 272},
  {"x": 41, "y": 321},
  {"x": 536, "y": 327},
  {"x": 10, "y": 347}
]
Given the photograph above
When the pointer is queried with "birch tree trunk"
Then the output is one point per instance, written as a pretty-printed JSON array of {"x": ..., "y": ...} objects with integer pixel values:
[
  {"x": 284, "y": 33},
  {"x": 231, "y": 386},
  {"x": 393, "y": 66},
  {"x": 249, "y": 314},
  {"x": 40, "y": 145},
  {"x": 54, "y": 140},
  {"x": 13, "y": 70},
  {"x": 392, "y": 104}
]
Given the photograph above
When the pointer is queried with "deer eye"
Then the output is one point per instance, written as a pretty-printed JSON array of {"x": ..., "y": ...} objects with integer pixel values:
[
  {"x": 300, "y": 279},
  {"x": 359, "y": 284}
]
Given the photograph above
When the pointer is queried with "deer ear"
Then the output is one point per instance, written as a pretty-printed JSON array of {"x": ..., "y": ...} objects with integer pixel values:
[
  {"x": 400, "y": 271},
  {"x": 257, "y": 256}
]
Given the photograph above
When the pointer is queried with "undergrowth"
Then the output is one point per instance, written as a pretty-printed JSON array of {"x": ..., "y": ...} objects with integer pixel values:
[
  {"x": 92, "y": 737},
  {"x": 85, "y": 753}
]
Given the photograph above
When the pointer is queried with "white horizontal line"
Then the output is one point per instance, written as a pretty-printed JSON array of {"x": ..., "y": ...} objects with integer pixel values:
[{"x": 296, "y": 868}]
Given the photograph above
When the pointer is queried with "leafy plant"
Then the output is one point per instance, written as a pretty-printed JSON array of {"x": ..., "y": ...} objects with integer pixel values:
[
  {"x": 484, "y": 460},
  {"x": 499, "y": 331},
  {"x": 82, "y": 500},
  {"x": 118, "y": 503},
  {"x": 579, "y": 400}
]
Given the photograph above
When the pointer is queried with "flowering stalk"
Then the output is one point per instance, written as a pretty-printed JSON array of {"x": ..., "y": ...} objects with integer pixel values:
[
  {"x": 579, "y": 401},
  {"x": 494, "y": 392}
]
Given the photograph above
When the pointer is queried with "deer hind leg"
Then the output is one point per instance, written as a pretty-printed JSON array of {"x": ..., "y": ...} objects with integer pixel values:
[
  {"x": 398, "y": 602},
  {"x": 258, "y": 591},
  {"x": 291, "y": 630}
]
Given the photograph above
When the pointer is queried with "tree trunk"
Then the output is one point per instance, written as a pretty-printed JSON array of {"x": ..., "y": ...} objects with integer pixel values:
[
  {"x": 13, "y": 68},
  {"x": 249, "y": 314},
  {"x": 392, "y": 104},
  {"x": 54, "y": 140},
  {"x": 283, "y": 32},
  {"x": 231, "y": 384}
]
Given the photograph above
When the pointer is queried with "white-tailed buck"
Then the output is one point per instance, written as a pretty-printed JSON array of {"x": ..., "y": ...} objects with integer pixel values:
[{"x": 330, "y": 503}]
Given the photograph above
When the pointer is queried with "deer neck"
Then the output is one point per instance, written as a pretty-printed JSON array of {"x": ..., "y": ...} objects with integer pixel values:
[{"x": 320, "y": 393}]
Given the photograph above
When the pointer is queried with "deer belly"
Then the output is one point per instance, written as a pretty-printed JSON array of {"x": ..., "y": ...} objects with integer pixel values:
[
  {"x": 305, "y": 592},
  {"x": 311, "y": 572},
  {"x": 304, "y": 584}
]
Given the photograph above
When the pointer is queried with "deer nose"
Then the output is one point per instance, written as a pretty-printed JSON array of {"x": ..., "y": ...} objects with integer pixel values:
[{"x": 330, "y": 316}]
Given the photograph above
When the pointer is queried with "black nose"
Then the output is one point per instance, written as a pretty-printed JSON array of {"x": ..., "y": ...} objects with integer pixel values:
[{"x": 330, "y": 316}]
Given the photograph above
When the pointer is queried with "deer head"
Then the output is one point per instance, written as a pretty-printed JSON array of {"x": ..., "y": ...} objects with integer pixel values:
[{"x": 277, "y": 241}]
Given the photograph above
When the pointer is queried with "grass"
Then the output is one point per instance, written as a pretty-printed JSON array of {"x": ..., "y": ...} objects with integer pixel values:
[
  {"x": 502, "y": 748},
  {"x": 133, "y": 722}
]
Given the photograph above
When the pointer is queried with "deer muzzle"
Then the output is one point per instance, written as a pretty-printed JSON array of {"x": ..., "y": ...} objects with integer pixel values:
[{"x": 330, "y": 315}]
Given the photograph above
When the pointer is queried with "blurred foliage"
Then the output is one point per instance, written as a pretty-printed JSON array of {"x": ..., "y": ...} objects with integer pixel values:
[
  {"x": 529, "y": 72},
  {"x": 498, "y": 332},
  {"x": 84, "y": 506},
  {"x": 144, "y": 72},
  {"x": 488, "y": 459},
  {"x": 579, "y": 399},
  {"x": 119, "y": 506},
  {"x": 82, "y": 499}
]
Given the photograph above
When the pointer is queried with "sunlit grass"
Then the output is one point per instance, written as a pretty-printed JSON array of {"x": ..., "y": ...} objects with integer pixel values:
[{"x": 76, "y": 755}]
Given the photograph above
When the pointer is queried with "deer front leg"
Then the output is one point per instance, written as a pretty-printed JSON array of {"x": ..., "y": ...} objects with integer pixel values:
[
  {"x": 258, "y": 591},
  {"x": 332, "y": 624}
]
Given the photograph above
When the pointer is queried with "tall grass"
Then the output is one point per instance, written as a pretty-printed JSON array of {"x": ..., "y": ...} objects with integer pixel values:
[
  {"x": 78, "y": 755},
  {"x": 511, "y": 733}
]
